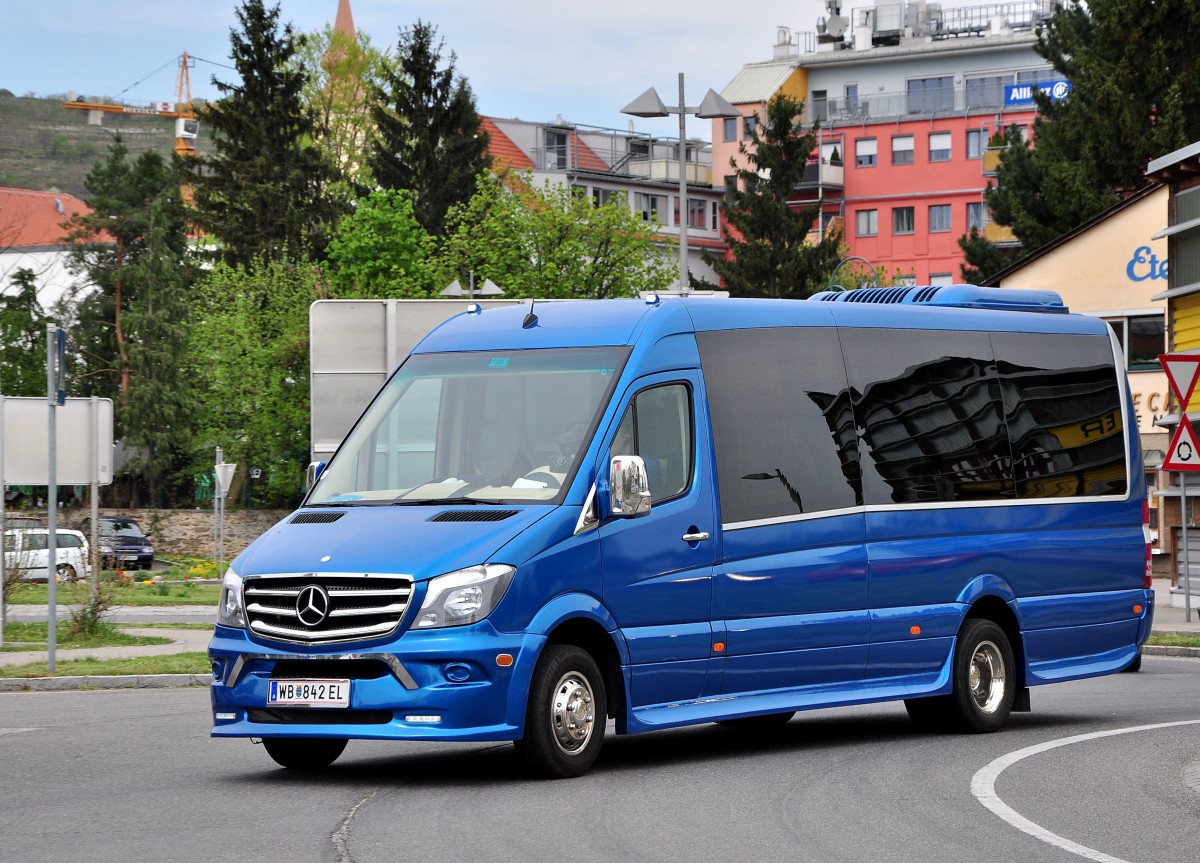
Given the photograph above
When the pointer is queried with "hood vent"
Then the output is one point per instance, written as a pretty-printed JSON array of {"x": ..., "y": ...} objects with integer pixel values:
[
  {"x": 316, "y": 518},
  {"x": 475, "y": 515}
]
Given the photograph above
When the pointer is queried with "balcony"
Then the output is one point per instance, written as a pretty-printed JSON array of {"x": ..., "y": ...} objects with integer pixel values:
[
  {"x": 667, "y": 171},
  {"x": 991, "y": 161},
  {"x": 818, "y": 175},
  {"x": 999, "y": 234}
]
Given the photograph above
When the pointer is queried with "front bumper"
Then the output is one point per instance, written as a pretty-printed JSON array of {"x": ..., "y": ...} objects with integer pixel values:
[{"x": 397, "y": 688}]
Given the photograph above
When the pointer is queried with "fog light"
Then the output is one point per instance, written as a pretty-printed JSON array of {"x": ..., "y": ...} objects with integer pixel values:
[
  {"x": 418, "y": 718},
  {"x": 458, "y": 673},
  {"x": 226, "y": 717},
  {"x": 217, "y": 669}
]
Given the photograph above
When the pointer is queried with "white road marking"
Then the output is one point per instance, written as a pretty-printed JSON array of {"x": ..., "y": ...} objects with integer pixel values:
[
  {"x": 4, "y": 731},
  {"x": 983, "y": 786}
]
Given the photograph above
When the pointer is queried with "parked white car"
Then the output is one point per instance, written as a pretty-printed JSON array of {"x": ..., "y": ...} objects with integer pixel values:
[{"x": 25, "y": 550}]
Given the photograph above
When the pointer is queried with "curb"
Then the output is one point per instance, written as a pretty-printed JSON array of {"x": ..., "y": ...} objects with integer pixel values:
[
  {"x": 98, "y": 681},
  {"x": 1163, "y": 650}
]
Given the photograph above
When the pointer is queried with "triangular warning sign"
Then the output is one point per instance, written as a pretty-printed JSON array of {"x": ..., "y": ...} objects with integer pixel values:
[
  {"x": 1183, "y": 371},
  {"x": 1183, "y": 453}
]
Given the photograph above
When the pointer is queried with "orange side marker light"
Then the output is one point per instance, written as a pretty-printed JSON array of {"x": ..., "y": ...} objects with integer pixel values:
[
  {"x": 914, "y": 630},
  {"x": 1137, "y": 609},
  {"x": 504, "y": 660},
  {"x": 719, "y": 647}
]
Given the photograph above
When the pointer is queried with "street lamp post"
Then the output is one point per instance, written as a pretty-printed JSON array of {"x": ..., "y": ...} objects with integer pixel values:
[{"x": 711, "y": 107}]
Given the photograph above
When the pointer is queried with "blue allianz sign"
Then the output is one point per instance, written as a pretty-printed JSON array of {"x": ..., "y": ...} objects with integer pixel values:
[{"x": 1022, "y": 94}]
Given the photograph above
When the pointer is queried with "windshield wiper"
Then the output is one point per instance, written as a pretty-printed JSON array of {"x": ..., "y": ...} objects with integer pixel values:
[
  {"x": 347, "y": 503},
  {"x": 438, "y": 501}
]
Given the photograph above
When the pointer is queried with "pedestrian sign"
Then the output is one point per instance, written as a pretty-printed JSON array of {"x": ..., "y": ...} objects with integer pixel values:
[
  {"x": 1184, "y": 453},
  {"x": 1183, "y": 371}
]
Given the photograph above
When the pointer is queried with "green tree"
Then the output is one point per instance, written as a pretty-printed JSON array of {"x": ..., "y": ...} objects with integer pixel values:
[
  {"x": 340, "y": 74},
  {"x": 429, "y": 136},
  {"x": 768, "y": 235},
  {"x": 249, "y": 354},
  {"x": 130, "y": 323},
  {"x": 1134, "y": 70},
  {"x": 551, "y": 242},
  {"x": 22, "y": 338},
  {"x": 267, "y": 188},
  {"x": 380, "y": 250}
]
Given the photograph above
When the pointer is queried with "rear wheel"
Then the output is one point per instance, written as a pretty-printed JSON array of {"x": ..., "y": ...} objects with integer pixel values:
[
  {"x": 564, "y": 721},
  {"x": 984, "y": 678},
  {"x": 304, "y": 753},
  {"x": 66, "y": 572},
  {"x": 1136, "y": 665}
]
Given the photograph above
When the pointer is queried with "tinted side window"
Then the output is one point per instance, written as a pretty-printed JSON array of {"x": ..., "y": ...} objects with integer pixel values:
[
  {"x": 781, "y": 422},
  {"x": 658, "y": 427},
  {"x": 1063, "y": 406},
  {"x": 929, "y": 409}
]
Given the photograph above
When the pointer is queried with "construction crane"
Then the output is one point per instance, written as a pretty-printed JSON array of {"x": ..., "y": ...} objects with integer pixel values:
[{"x": 186, "y": 125}]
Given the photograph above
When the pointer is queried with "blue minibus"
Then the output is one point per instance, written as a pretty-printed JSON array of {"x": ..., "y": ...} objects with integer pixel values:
[{"x": 678, "y": 510}]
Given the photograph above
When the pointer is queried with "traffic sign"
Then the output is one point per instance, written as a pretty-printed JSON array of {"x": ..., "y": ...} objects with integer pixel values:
[
  {"x": 1184, "y": 452},
  {"x": 1183, "y": 371}
]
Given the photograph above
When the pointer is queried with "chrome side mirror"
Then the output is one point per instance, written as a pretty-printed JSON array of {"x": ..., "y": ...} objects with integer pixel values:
[
  {"x": 313, "y": 474},
  {"x": 628, "y": 487}
]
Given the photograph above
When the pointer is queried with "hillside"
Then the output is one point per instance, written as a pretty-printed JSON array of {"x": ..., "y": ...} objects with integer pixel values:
[{"x": 47, "y": 147}]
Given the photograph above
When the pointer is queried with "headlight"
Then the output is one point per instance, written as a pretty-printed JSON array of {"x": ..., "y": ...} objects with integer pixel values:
[
  {"x": 105, "y": 549},
  {"x": 148, "y": 549},
  {"x": 465, "y": 596},
  {"x": 230, "y": 612}
]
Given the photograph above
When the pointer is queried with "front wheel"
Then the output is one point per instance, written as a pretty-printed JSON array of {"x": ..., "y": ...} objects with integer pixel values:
[
  {"x": 565, "y": 718},
  {"x": 984, "y": 677},
  {"x": 303, "y": 753},
  {"x": 66, "y": 572}
]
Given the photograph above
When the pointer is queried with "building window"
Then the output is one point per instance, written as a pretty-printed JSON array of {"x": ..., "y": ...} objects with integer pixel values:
[
  {"x": 941, "y": 279},
  {"x": 648, "y": 205},
  {"x": 731, "y": 128},
  {"x": 866, "y": 223},
  {"x": 986, "y": 92},
  {"x": 976, "y": 141},
  {"x": 974, "y": 216},
  {"x": 821, "y": 105},
  {"x": 1146, "y": 340},
  {"x": 556, "y": 149},
  {"x": 731, "y": 187},
  {"x": 865, "y": 150},
  {"x": 902, "y": 150},
  {"x": 697, "y": 210},
  {"x": 750, "y": 125},
  {"x": 903, "y": 220},
  {"x": 716, "y": 217},
  {"x": 939, "y": 218},
  {"x": 926, "y": 95},
  {"x": 906, "y": 281},
  {"x": 600, "y": 196},
  {"x": 852, "y": 99},
  {"x": 939, "y": 147}
]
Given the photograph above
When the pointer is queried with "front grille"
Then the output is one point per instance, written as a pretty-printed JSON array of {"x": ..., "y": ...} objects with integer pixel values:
[{"x": 340, "y": 607}]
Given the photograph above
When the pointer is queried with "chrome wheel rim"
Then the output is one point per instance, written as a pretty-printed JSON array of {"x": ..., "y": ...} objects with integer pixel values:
[
  {"x": 986, "y": 677},
  {"x": 572, "y": 713}
]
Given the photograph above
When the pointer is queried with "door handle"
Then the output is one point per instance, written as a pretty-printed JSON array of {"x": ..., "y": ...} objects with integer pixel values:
[{"x": 695, "y": 537}]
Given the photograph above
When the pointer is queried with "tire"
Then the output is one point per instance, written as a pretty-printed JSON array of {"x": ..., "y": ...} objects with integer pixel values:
[
  {"x": 1135, "y": 666},
  {"x": 566, "y": 715},
  {"x": 758, "y": 723},
  {"x": 66, "y": 572},
  {"x": 984, "y": 678},
  {"x": 304, "y": 753}
]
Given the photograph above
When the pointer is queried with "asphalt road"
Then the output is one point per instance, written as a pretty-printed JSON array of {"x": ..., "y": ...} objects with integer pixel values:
[{"x": 133, "y": 776}]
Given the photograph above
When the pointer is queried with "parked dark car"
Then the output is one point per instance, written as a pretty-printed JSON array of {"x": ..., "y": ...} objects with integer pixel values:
[{"x": 123, "y": 543}]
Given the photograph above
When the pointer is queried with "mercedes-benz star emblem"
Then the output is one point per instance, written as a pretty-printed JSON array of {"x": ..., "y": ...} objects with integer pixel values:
[{"x": 312, "y": 605}]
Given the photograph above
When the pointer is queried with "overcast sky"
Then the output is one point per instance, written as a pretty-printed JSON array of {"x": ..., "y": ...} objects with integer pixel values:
[{"x": 528, "y": 59}]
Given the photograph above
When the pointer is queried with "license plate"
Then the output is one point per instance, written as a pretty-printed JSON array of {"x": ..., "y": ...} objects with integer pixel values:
[
  {"x": 129, "y": 557},
  {"x": 310, "y": 693}
]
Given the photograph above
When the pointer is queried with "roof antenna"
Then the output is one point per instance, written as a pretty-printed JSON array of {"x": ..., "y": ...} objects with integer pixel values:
[{"x": 530, "y": 317}]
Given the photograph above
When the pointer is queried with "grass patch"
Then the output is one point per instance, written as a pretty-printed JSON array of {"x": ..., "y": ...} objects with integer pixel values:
[
  {"x": 175, "y": 663},
  {"x": 1174, "y": 640},
  {"x": 165, "y": 592},
  {"x": 208, "y": 626},
  {"x": 35, "y": 636}
]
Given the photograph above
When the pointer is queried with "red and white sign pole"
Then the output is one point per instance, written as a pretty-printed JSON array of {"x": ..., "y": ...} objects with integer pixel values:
[{"x": 1183, "y": 455}]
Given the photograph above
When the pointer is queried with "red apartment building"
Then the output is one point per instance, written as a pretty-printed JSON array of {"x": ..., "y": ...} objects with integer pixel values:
[{"x": 908, "y": 96}]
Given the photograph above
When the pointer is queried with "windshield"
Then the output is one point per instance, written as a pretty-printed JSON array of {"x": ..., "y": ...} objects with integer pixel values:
[
  {"x": 121, "y": 527},
  {"x": 499, "y": 426}
]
